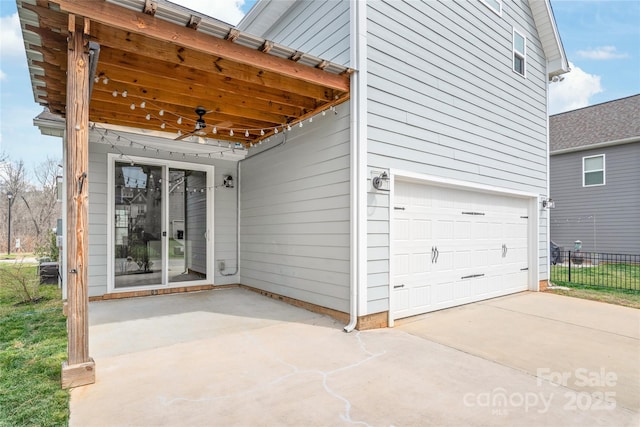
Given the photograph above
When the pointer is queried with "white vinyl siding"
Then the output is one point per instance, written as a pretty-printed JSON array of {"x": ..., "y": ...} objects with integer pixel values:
[
  {"x": 494, "y": 5},
  {"x": 295, "y": 214},
  {"x": 593, "y": 171},
  {"x": 224, "y": 214},
  {"x": 319, "y": 28},
  {"x": 427, "y": 113},
  {"x": 519, "y": 53}
]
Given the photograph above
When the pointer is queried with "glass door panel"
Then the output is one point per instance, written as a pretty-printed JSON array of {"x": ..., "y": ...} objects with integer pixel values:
[
  {"x": 187, "y": 225},
  {"x": 138, "y": 249}
]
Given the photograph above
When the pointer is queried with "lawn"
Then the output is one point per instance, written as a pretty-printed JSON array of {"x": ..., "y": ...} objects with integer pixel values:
[
  {"x": 598, "y": 293},
  {"x": 33, "y": 344},
  {"x": 622, "y": 276}
]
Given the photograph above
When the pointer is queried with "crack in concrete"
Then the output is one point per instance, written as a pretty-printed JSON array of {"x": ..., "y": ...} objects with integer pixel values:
[{"x": 346, "y": 416}]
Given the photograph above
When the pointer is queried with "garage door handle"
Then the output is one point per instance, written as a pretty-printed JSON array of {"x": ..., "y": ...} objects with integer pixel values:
[
  {"x": 398, "y": 286},
  {"x": 504, "y": 250},
  {"x": 472, "y": 276},
  {"x": 434, "y": 254}
]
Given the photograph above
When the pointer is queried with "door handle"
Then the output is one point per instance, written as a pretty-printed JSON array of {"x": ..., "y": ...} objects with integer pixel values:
[
  {"x": 398, "y": 286},
  {"x": 433, "y": 254},
  {"x": 437, "y": 255}
]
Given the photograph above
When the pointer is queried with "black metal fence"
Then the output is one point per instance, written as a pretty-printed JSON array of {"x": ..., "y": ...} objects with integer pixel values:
[{"x": 620, "y": 271}]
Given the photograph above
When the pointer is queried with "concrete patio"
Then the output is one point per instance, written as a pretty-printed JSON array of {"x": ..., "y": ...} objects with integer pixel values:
[{"x": 233, "y": 357}]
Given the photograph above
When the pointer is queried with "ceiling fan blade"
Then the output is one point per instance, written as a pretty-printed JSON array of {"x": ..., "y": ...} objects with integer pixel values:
[{"x": 185, "y": 135}]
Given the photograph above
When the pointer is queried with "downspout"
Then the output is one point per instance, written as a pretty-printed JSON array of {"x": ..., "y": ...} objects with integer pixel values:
[
  {"x": 357, "y": 146},
  {"x": 239, "y": 183},
  {"x": 94, "y": 56}
]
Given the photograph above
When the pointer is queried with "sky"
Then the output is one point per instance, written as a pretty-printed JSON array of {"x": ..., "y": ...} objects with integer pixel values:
[{"x": 601, "y": 40}]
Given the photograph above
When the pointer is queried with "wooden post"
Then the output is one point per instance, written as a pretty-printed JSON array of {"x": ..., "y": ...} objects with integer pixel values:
[{"x": 79, "y": 368}]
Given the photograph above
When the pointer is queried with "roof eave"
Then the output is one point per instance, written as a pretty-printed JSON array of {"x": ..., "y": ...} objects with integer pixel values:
[
  {"x": 557, "y": 62},
  {"x": 596, "y": 146}
]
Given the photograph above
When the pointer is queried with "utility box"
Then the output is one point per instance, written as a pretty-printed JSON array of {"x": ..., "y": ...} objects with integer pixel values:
[{"x": 48, "y": 272}]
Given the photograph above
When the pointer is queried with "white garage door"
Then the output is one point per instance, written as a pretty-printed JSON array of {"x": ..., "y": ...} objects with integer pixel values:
[{"x": 453, "y": 247}]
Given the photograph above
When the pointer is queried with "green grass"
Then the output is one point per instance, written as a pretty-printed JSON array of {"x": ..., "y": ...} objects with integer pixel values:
[
  {"x": 622, "y": 297},
  {"x": 622, "y": 276},
  {"x": 33, "y": 344}
]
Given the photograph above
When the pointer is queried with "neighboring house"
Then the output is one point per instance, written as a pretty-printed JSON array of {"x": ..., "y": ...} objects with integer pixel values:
[
  {"x": 386, "y": 158},
  {"x": 595, "y": 177}
]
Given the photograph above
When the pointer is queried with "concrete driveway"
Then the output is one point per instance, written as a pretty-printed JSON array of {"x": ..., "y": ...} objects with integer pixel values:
[{"x": 235, "y": 358}]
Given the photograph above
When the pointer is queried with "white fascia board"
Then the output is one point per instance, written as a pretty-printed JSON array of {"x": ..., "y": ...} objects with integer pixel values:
[{"x": 549, "y": 37}]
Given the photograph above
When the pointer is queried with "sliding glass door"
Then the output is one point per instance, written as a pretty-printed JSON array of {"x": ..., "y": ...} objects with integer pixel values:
[
  {"x": 160, "y": 227},
  {"x": 187, "y": 225}
]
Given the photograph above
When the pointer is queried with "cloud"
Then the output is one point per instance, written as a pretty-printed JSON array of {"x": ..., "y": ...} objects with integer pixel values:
[
  {"x": 3, "y": 76},
  {"x": 602, "y": 53},
  {"x": 229, "y": 11},
  {"x": 574, "y": 91},
  {"x": 11, "y": 44}
]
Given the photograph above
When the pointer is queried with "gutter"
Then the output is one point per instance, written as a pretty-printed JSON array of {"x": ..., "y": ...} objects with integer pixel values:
[
  {"x": 94, "y": 56},
  {"x": 596, "y": 146}
]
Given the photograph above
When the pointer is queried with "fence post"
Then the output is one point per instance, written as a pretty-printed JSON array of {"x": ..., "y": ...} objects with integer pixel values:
[{"x": 569, "y": 266}]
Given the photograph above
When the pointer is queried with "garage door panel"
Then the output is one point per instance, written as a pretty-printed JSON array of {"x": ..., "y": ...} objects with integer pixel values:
[{"x": 480, "y": 242}]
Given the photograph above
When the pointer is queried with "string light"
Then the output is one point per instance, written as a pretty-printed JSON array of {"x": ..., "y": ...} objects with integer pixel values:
[{"x": 247, "y": 132}]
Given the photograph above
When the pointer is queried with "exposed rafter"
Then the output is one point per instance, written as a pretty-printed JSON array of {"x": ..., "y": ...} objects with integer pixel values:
[{"x": 171, "y": 67}]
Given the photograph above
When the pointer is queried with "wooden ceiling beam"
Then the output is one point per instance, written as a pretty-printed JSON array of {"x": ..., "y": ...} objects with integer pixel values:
[
  {"x": 112, "y": 106},
  {"x": 114, "y": 119},
  {"x": 48, "y": 17},
  {"x": 166, "y": 98},
  {"x": 229, "y": 112},
  {"x": 119, "y": 75},
  {"x": 52, "y": 57},
  {"x": 138, "y": 22},
  {"x": 140, "y": 45}
]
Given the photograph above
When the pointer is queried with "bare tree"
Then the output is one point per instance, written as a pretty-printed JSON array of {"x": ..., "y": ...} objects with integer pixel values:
[
  {"x": 42, "y": 210},
  {"x": 34, "y": 207}
]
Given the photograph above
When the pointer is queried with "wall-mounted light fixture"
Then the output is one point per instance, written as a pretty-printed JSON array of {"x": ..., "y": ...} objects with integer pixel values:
[
  {"x": 379, "y": 181},
  {"x": 227, "y": 181},
  {"x": 548, "y": 203}
]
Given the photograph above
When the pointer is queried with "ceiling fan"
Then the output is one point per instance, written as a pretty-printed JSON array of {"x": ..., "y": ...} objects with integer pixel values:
[{"x": 199, "y": 127}]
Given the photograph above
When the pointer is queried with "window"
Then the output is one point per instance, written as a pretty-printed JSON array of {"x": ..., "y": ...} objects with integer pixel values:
[
  {"x": 519, "y": 53},
  {"x": 494, "y": 5},
  {"x": 593, "y": 170}
]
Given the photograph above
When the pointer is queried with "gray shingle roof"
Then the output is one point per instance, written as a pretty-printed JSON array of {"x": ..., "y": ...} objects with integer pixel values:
[{"x": 606, "y": 122}]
